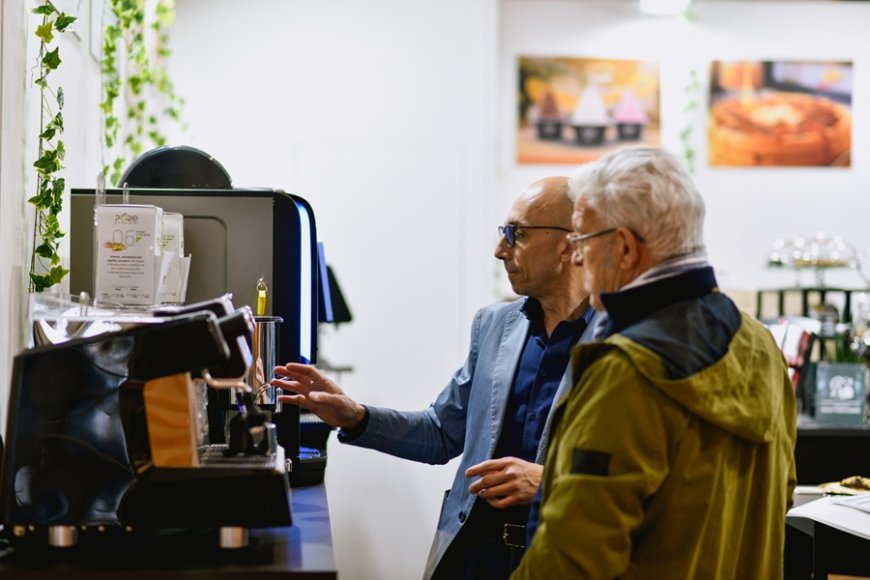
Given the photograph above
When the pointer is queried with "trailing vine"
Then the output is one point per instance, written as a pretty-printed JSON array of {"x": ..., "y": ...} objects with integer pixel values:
[
  {"x": 45, "y": 264},
  {"x": 138, "y": 78},
  {"x": 692, "y": 92},
  {"x": 164, "y": 18},
  {"x": 126, "y": 36},
  {"x": 111, "y": 90}
]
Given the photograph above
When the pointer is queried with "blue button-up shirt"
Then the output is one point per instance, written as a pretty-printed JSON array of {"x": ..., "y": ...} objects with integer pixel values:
[{"x": 539, "y": 372}]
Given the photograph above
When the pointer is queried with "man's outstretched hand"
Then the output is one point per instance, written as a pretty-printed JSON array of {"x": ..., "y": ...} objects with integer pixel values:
[{"x": 313, "y": 391}]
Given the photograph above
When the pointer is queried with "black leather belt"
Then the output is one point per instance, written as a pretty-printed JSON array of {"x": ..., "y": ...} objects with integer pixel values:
[
  {"x": 514, "y": 535},
  {"x": 488, "y": 522},
  {"x": 510, "y": 535}
]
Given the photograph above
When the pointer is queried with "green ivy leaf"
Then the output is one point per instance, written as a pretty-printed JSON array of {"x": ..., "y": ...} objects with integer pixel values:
[
  {"x": 47, "y": 162},
  {"x": 57, "y": 192},
  {"x": 43, "y": 31},
  {"x": 49, "y": 132},
  {"x": 44, "y": 250},
  {"x": 45, "y": 195},
  {"x": 52, "y": 225},
  {"x": 45, "y": 9},
  {"x": 40, "y": 282},
  {"x": 63, "y": 21},
  {"x": 57, "y": 273},
  {"x": 51, "y": 59},
  {"x": 60, "y": 102}
]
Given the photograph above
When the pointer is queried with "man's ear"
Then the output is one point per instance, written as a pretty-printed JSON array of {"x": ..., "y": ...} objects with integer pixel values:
[
  {"x": 566, "y": 254},
  {"x": 629, "y": 248}
]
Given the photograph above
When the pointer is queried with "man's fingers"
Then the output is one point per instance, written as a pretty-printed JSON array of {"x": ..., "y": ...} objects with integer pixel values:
[
  {"x": 492, "y": 482},
  {"x": 294, "y": 399},
  {"x": 482, "y": 468},
  {"x": 304, "y": 374},
  {"x": 322, "y": 398},
  {"x": 292, "y": 386},
  {"x": 488, "y": 466},
  {"x": 501, "y": 503},
  {"x": 300, "y": 400}
]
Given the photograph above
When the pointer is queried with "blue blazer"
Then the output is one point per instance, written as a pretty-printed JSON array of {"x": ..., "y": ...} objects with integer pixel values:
[{"x": 467, "y": 416}]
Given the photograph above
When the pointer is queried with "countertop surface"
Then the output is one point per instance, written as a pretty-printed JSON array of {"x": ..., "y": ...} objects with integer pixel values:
[{"x": 303, "y": 550}]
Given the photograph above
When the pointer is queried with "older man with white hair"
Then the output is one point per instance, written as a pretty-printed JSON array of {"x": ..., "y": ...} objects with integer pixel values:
[{"x": 672, "y": 457}]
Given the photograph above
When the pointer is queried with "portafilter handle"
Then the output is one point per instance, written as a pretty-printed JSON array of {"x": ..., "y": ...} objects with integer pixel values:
[{"x": 250, "y": 431}]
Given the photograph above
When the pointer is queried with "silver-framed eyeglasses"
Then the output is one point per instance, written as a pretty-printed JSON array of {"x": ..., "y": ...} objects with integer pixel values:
[
  {"x": 509, "y": 231},
  {"x": 577, "y": 240}
]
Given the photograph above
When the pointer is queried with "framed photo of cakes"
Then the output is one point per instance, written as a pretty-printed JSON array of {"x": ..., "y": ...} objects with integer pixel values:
[
  {"x": 780, "y": 114},
  {"x": 574, "y": 110}
]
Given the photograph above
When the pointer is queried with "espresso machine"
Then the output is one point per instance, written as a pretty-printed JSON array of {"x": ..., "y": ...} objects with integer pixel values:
[
  {"x": 107, "y": 435},
  {"x": 120, "y": 429},
  {"x": 238, "y": 238}
]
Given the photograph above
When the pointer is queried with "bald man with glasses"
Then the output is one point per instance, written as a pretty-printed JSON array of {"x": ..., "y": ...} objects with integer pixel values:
[{"x": 495, "y": 410}]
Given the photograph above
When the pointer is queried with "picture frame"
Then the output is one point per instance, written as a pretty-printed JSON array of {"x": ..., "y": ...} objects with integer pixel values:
[{"x": 573, "y": 110}]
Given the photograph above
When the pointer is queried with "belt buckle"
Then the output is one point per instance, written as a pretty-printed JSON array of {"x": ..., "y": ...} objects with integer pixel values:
[{"x": 506, "y": 535}]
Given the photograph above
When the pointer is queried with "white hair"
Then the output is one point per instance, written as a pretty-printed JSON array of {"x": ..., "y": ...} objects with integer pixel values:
[{"x": 649, "y": 191}]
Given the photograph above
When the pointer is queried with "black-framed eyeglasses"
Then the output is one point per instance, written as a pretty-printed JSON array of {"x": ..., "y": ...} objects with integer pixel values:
[
  {"x": 577, "y": 240},
  {"x": 509, "y": 231}
]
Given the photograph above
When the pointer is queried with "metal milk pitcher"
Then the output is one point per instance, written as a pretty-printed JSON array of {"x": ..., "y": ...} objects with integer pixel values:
[{"x": 264, "y": 351}]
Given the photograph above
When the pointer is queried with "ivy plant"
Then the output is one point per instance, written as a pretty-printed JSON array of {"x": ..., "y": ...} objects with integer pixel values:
[
  {"x": 690, "y": 111},
  {"x": 112, "y": 86},
  {"x": 164, "y": 18},
  {"x": 125, "y": 37},
  {"x": 45, "y": 264},
  {"x": 138, "y": 78}
]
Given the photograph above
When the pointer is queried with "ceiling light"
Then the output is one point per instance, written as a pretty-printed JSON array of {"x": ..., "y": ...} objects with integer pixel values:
[{"x": 664, "y": 7}]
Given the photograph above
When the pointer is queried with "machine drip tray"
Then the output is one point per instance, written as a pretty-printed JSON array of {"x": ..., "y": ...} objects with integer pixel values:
[{"x": 249, "y": 491}]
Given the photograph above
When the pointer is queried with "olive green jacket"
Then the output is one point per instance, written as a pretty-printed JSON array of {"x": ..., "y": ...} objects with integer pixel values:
[{"x": 651, "y": 476}]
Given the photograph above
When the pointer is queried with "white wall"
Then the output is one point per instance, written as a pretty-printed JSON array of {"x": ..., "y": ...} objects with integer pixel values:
[
  {"x": 379, "y": 113},
  {"x": 11, "y": 183},
  {"x": 747, "y": 209},
  {"x": 79, "y": 75}
]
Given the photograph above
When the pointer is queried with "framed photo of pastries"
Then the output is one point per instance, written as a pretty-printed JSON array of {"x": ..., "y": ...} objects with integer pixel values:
[
  {"x": 780, "y": 114},
  {"x": 574, "y": 110}
]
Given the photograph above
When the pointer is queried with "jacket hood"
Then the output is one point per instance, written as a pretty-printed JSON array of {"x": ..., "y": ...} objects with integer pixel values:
[{"x": 731, "y": 391}]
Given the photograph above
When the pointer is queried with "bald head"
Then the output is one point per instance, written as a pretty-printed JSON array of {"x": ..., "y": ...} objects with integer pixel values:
[
  {"x": 548, "y": 201},
  {"x": 536, "y": 255}
]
